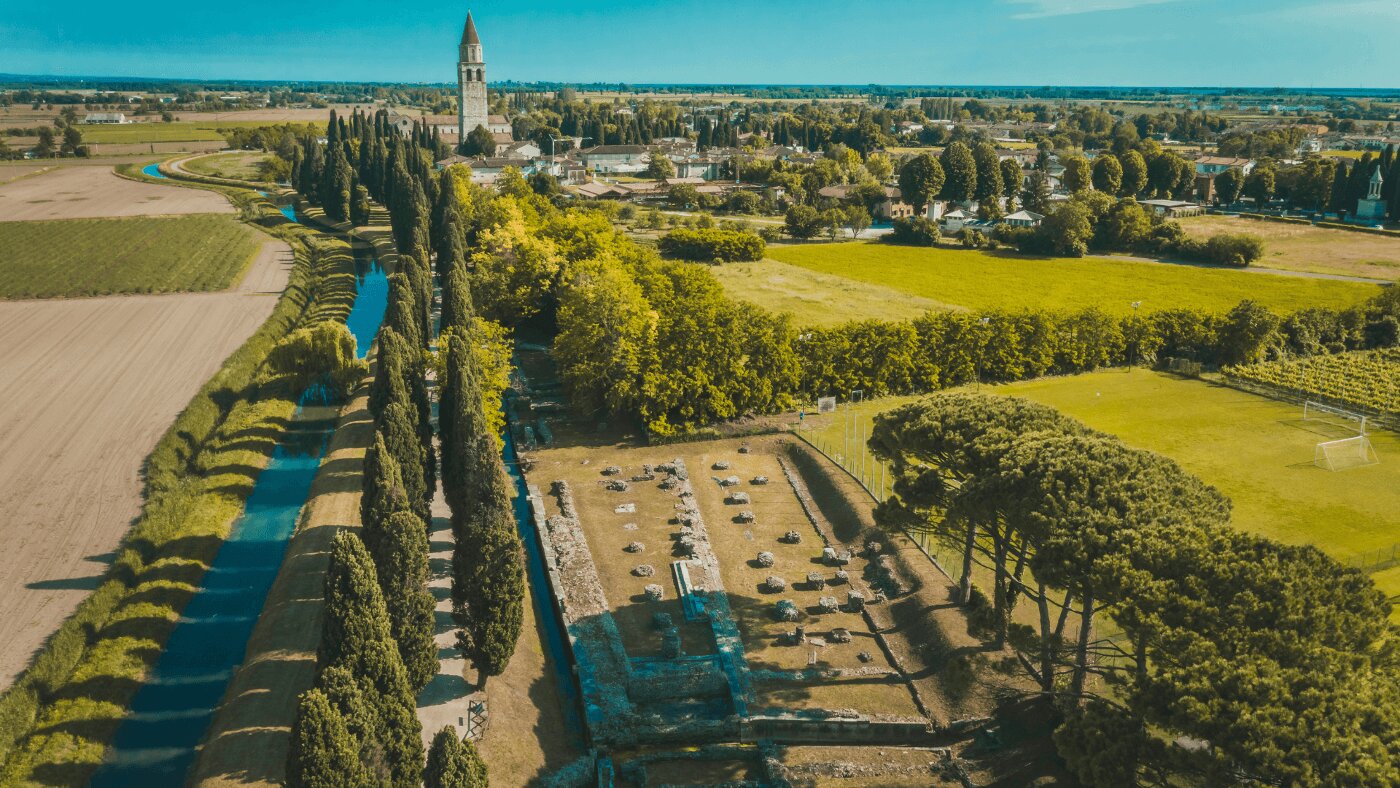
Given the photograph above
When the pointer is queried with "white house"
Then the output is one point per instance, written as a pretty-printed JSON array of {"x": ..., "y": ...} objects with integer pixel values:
[
  {"x": 1214, "y": 165},
  {"x": 1024, "y": 218},
  {"x": 105, "y": 117},
  {"x": 616, "y": 159}
]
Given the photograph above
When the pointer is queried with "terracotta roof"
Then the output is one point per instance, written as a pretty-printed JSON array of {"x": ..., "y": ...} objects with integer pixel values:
[{"x": 469, "y": 32}]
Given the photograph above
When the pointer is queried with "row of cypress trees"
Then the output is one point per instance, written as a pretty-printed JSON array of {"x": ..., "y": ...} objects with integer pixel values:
[{"x": 376, "y": 592}]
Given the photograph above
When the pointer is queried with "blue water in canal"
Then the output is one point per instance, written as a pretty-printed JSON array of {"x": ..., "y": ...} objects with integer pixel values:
[
  {"x": 153, "y": 170},
  {"x": 155, "y": 744},
  {"x": 289, "y": 210},
  {"x": 538, "y": 578}
]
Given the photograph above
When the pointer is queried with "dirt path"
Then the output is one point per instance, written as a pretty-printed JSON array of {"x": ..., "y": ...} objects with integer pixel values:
[
  {"x": 269, "y": 271},
  {"x": 96, "y": 192},
  {"x": 88, "y": 386},
  {"x": 250, "y": 736}
]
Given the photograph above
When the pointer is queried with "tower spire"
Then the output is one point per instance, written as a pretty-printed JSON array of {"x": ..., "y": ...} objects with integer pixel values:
[{"x": 469, "y": 32}]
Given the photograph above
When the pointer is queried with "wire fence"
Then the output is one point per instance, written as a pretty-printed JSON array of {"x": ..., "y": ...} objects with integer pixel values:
[
  {"x": 848, "y": 450},
  {"x": 1375, "y": 560}
]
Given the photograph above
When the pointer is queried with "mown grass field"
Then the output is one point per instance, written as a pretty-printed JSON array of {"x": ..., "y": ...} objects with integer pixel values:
[
  {"x": 237, "y": 165},
  {"x": 88, "y": 257},
  {"x": 1255, "y": 450},
  {"x": 816, "y": 299},
  {"x": 177, "y": 131},
  {"x": 998, "y": 280},
  {"x": 1303, "y": 247}
]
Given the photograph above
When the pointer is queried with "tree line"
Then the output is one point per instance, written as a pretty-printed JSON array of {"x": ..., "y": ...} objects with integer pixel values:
[
  {"x": 358, "y": 724},
  {"x": 659, "y": 342},
  {"x": 1277, "y": 660}
]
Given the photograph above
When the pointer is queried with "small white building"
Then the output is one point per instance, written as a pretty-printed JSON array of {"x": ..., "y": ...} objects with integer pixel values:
[
  {"x": 1024, "y": 218},
  {"x": 1214, "y": 165},
  {"x": 616, "y": 159},
  {"x": 1173, "y": 208},
  {"x": 106, "y": 117}
]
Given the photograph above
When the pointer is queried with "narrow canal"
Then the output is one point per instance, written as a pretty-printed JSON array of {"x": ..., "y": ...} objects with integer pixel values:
[
  {"x": 171, "y": 712},
  {"x": 153, "y": 170}
]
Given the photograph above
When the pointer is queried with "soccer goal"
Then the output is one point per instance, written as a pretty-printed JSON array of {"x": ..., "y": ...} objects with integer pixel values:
[
  {"x": 1346, "y": 453},
  {"x": 1332, "y": 413}
]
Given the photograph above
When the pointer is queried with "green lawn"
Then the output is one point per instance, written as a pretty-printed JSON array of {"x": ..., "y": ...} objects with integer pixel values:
[
  {"x": 237, "y": 165},
  {"x": 1257, "y": 451},
  {"x": 87, "y": 257},
  {"x": 816, "y": 299},
  {"x": 993, "y": 280},
  {"x": 177, "y": 131}
]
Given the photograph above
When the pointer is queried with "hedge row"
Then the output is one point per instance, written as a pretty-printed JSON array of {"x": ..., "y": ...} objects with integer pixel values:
[
  {"x": 85, "y": 675},
  {"x": 707, "y": 245},
  {"x": 1355, "y": 228}
]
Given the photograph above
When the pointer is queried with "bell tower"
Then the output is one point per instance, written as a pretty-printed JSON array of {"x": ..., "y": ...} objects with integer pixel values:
[{"x": 471, "y": 82}]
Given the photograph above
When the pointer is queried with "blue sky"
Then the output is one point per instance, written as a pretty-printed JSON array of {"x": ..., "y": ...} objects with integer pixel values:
[{"x": 1288, "y": 43}]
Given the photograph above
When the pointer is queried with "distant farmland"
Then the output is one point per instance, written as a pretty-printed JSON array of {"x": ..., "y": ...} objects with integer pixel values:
[
  {"x": 88, "y": 257},
  {"x": 982, "y": 280}
]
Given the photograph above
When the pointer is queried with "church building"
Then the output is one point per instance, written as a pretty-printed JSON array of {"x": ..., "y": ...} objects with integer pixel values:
[{"x": 471, "y": 87}]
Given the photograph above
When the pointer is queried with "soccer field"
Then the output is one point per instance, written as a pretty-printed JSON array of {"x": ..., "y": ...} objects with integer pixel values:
[
  {"x": 1257, "y": 451},
  {"x": 983, "y": 280}
]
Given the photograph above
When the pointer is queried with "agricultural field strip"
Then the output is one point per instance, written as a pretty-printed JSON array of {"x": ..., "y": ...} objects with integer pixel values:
[
  {"x": 985, "y": 281},
  {"x": 89, "y": 387},
  {"x": 90, "y": 192},
  {"x": 88, "y": 257},
  {"x": 1366, "y": 380}
]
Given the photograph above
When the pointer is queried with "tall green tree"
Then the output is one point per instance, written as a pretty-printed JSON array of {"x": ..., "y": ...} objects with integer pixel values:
[
  {"x": 920, "y": 181},
  {"x": 989, "y": 186},
  {"x": 453, "y": 763},
  {"x": 1077, "y": 177},
  {"x": 402, "y": 566},
  {"x": 960, "y": 173},
  {"x": 488, "y": 580},
  {"x": 383, "y": 488},
  {"x": 323, "y": 754},
  {"x": 399, "y": 430},
  {"x": 1012, "y": 176},
  {"x": 1108, "y": 174},
  {"x": 1134, "y": 168}
]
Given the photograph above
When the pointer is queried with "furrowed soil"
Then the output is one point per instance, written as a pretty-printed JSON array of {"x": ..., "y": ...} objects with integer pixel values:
[
  {"x": 93, "y": 192},
  {"x": 89, "y": 386}
]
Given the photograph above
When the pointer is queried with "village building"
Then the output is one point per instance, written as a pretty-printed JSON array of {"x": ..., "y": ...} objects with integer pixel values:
[
  {"x": 1214, "y": 165},
  {"x": 1173, "y": 209},
  {"x": 106, "y": 117},
  {"x": 616, "y": 159}
]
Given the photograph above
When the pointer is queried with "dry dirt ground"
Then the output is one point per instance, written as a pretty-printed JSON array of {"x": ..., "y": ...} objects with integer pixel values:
[
  {"x": 88, "y": 386},
  {"x": 1299, "y": 247},
  {"x": 94, "y": 192}
]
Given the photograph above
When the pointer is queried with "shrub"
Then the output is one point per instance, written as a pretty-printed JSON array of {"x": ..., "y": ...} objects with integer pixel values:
[
  {"x": 1221, "y": 249},
  {"x": 712, "y": 244},
  {"x": 914, "y": 231}
]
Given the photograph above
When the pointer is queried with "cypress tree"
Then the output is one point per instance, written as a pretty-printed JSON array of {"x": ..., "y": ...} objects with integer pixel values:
[
  {"x": 323, "y": 753},
  {"x": 402, "y": 314},
  {"x": 1338, "y": 203},
  {"x": 453, "y": 763},
  {"x": 457, "y": 308},
  {"x": 390, "y": 382},
  {"x": 403, "y": 577},
  {"x": 381, "y": 675},
  {"x": 461, "y": 421},
  {"x": 357, "y": 636},
  {"x": 354, "y": 616},
  {"x": 399, "y": 430},
  {"x": 488, "y": 582},
  {"x": 384, "y": 490},
  {"x": 347, "y": 696},
  {"x": 450, "y": 249}
]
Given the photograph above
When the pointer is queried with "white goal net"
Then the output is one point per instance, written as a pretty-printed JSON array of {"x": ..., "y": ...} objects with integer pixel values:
[
  {"x": 1346, "y": 453},
  {"x": 1318, "y": 411}
]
